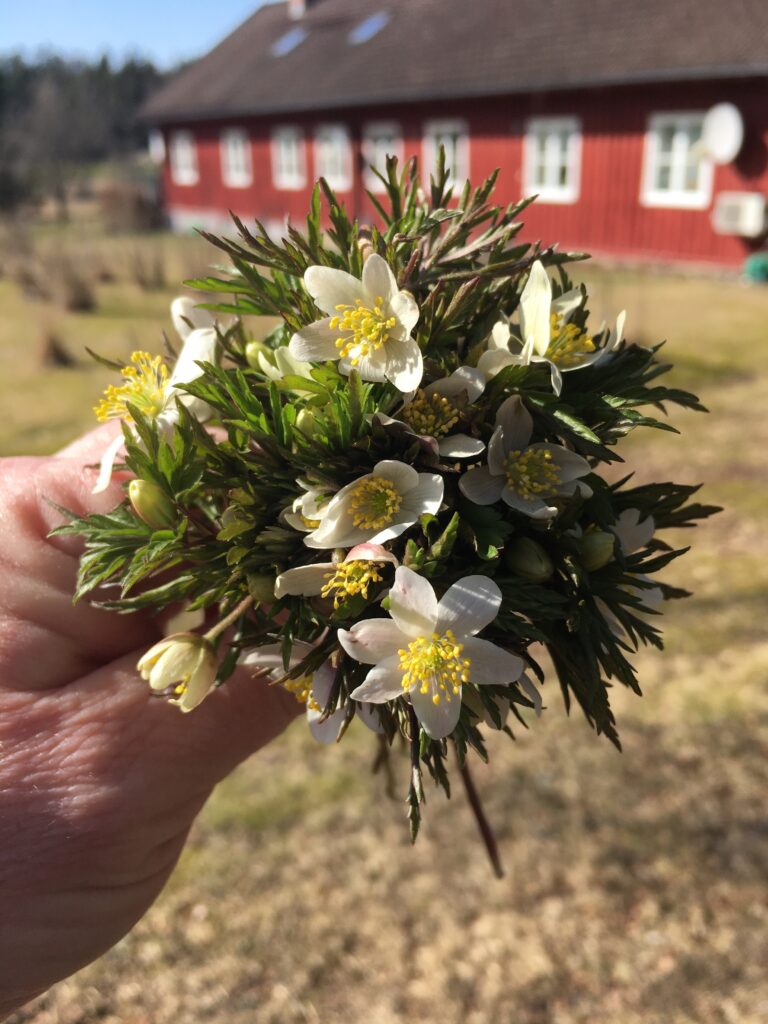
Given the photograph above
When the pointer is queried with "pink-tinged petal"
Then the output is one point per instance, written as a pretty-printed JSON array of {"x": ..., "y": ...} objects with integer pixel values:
[
  {"x": 331, "y": 288},
  {"x": 465, "y": 379},
  {"x": 426, "y": 496},
  {"x": 370, "y": 553},
  {"x": 304, "y": 580},
  {"x": 383, "y": 683},
  {"x": 489, "y": 664},
  {"x": 481, "y": 487},
  {"x": 404, "y": 307},
  {"x": 469, "y": 605},
  {"x": 459, "y": 446},
  {"x": 402, "y": 476},
  {"x": 533, "y": 507},
  {"x": 325, "y": 730},
  {"x": 371, "y": 368},
  {"x": 515, "y": 422},
  {"x": 378, "y": 280},
  {"x": 187, "y": 316},
  {"x": 107, "y": 463},
  {"x": 372, "y": 641},
  {"x": 497, "y": 452},
  {"x": 412, "y": 603},
  {"x": 570, "y": 466},
  {"x": 437, "y": 720},
  {"x": 315, "y": 343},
  {"x": 405, "y": 364},
  {"x": 535, "y": 308}
]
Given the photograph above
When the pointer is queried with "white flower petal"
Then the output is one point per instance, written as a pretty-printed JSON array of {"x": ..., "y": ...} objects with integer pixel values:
[
  {"x": 570, "y": 466},
  {"x": 378, "y": 280},
  {"x": 315, "y": 343},
  {"x": 372, "y": 641},
  {"x": 384, "y": 682},
  {"x": 516, "y": 423},
  {"x": 402, "y": 476},
  {"x": 372, "y": 367},
  {"x": 459, "y": 446},
  {"x": 405, "y": 364},
  {"x": 500, "y": 335},
  {"x": 530, "y": 689},
  {"x": 497, "y": 452},
  {"x": 331, "y": 288},
  {"x": 412, "y": 603},
  {"x": 325, "y": 730},
  {"x": 469, "y": 605},
  {"x": 426, "y": 496},
  {"x": 494, "y": 361},
  {"x": 438, "y": 720},
  {"x": 404, "y": 307},
  {"x": 304, "y": 580},
  {"x": 466, "y": 378},
  {"x": 200, "y": 346},
  {"x": 490, "y": 664},
  {"x": 535, "y": 308},
  {"x": 633, "y": 532},
  {"x": 533, "y": 507},
  {"x": 367, "y": 714},
  {"x": 480, "y": 486},
  {"x": 567, "y": 304},
  {"x": 556, "y": 377},
  {"x": 185, "y": 311},
  {"x": 107, "y": 463}
]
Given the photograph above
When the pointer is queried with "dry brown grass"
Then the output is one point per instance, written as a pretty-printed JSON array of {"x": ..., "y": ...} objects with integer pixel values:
[{"x": 635, "y": 886}]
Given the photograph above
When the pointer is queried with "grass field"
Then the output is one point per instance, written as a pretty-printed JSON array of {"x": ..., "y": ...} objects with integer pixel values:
[{"x": 635, "y": 885}]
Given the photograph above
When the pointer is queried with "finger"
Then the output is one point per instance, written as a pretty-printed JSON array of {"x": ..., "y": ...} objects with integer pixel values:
[{"x": 88, "y": 447}]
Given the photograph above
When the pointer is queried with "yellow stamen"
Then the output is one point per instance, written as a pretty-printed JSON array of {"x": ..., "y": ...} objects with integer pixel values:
[
  {"x": 431, "y": 414},
  {"x": 145, "y": 387},
  {"x": 351, "y": 578},
  {"x": 569, "y": 344},
  {"x": 369, "y": 329},
  {"x": 311, "y": 524},
  {"x": 301, "y": 689},
  {"x": 434, "y": 664},
  {"x": 374, "y": 503},
  {"x": 532, "y": 473}
]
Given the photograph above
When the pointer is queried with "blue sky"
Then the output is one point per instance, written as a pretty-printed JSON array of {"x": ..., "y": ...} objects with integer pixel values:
[{"x": 167, "y": 31}]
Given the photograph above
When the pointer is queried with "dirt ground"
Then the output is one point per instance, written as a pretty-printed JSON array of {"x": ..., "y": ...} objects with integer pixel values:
[{"x": 635, "y": 887}]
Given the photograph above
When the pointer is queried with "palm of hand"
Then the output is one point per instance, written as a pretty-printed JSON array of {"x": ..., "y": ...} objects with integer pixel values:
[{"x": 99, "y": 782}]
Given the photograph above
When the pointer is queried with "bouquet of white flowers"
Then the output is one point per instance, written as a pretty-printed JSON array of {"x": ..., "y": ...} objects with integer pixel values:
[{"x": 391, "y": 502}]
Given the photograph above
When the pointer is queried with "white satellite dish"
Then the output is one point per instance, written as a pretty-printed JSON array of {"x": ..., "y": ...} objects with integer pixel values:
[{"x": 722, "y": 133}]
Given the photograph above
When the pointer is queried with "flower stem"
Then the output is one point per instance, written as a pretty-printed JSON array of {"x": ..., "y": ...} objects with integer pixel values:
[
  {"x": 482, "y": 822},
  {"x": 227, "y": 621}
]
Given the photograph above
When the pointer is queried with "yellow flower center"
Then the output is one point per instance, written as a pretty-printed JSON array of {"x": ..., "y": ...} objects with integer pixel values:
[
  {"x": 369, "y": 328},
  {"x": 145, "y": 387},
  {"x": 569, "y": 344},
  {"x": 374, "y": 503},
  {"x": 431, "y": 414},
  {"x": 301, "y": 689},
  {"x": 434, "y": 664},
  {"x": 532, "y": 473},
  {"x": 351, "y": 578}
]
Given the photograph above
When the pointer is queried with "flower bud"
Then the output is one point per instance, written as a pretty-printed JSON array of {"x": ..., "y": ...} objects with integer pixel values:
[
  {"x": 529, "y": 560},
  {"x": 306, "y": 422},
  {"x": 596, "y": 549},
  {"x": 185, "y": 662},
  {"x": 152, "y": 505},
  {"x": 261, "y": 587},
  {"x": 252, "y": 351}
]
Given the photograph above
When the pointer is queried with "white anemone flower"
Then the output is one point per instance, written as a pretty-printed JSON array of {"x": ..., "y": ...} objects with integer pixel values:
[
  {"x": 633, "y": 532},
  {"x": 184, "y": 661},
  {"x": 527, "y": 477},
  {"x": 307, "y": 511},
  {"x": 280, "y": 363},
  {"x": 187, "y": 316},
  {"x": 377, "y": 507},
  {"x": 428, "y": 649},
  {"x": 548, "y": 336},
  {"x": 149, "y": 387},
  {"x": 368, "y": 327},
  {"x": 355, "y": 574},
  {"x": 312, "y": 690},
  {"x": 433, "y": 412}
]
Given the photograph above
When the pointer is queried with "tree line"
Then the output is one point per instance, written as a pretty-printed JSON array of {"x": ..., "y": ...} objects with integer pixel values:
[{"x": 58, "y": 115}]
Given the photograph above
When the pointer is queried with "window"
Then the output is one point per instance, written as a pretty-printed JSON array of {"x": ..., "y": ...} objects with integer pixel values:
[
  {"x": 380, "y": 140},
  {"x": 368, "y": 28},
  {"x": 156, "y": 146},
  {"x": 552, "y": 159},
  {"x": 289, "y": 41},
  {"x": 333, "y": 156},
  {"x": 289, "y": 170},
  {"x": 183, "y": 158},
  {"x": 235, "y": 151},
  {"x": 453, "y": 136},
  {"x": 676, "y": 172}
]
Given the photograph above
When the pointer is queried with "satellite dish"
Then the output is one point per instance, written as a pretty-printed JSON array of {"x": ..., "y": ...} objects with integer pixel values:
[{"x": 722, "y": 133}]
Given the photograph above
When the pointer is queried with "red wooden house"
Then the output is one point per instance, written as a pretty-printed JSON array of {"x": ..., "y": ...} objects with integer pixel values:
[{"x": 599, "y": 106}]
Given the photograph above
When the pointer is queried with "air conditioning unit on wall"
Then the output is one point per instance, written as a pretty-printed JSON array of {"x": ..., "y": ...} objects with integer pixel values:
[{"x": 740, "y": 213}]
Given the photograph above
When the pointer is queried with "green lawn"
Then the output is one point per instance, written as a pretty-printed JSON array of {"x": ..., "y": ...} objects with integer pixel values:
[{"x": 635, "y": 886}]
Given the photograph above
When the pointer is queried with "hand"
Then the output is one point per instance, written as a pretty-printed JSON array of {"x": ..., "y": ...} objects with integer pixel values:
[{"x": 99, "y": 781}]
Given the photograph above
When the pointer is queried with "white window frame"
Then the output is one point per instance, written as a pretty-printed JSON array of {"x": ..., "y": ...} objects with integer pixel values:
[
  {"x": 293, "y": 178},
  {"x": 182, "y": 153},
  {"x": 551, "y": 128},
  {"x": 234, "y": 143},
  {"x": 677, "y": 196},
  {"x": 341, "y": 181},
  {"x": 373, "y": 132},
  {"x": 430, "y": 144}
]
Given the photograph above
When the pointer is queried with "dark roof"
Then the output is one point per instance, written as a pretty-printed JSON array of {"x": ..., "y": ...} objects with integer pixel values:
[{"x": 445, "y": 49}]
